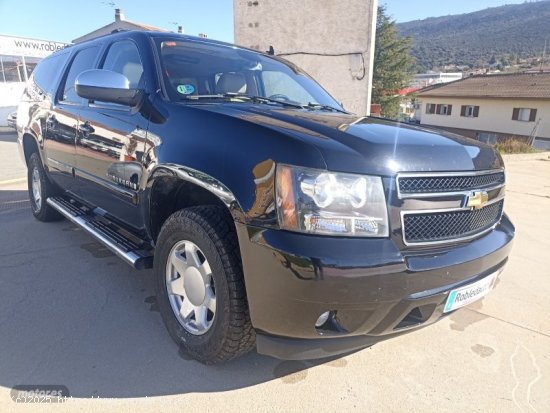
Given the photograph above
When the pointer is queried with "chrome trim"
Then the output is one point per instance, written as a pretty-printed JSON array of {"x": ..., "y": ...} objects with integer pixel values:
[
  {"x": 435, "y": 211},
  {"x": 190, "y": 287},
  {"x": 99, "y": 78},
  {"x": 199, "y": 178},
  {"x": 443, "y": 174},
  {"x": 130, "y": 195},
  {"x": 130, "y": 257}
]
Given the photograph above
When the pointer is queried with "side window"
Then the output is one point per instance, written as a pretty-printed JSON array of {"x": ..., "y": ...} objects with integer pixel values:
[
  {"x": 84, "y": 60},
  {"x": 123, "y": 57},
  {"x": 47, "y": 71}
]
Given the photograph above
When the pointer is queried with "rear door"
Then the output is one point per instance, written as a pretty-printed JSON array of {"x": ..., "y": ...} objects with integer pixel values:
[
  {"x": 111, "y": 140},
  {"x": 39, "y": 99},
  {"x": 61, "y": 123}
]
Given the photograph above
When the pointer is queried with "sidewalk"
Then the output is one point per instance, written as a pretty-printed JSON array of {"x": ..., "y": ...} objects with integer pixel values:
[{"x": 12, "y": 168}]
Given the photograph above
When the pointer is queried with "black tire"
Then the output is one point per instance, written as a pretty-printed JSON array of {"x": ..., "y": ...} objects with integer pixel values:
[
  {"x": 231, "y": 334},
  {"x": 41, "y": 210}
]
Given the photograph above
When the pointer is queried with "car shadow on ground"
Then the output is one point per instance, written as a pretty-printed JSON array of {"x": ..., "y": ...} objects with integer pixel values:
[{"x": 73, "y": 314}]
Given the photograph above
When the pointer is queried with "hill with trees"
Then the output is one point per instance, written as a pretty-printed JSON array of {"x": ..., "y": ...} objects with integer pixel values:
[{"x": 498, "y": 34}]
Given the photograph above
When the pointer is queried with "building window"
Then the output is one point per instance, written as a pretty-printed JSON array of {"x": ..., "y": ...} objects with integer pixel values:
[
  {"x": 469, "y": 111},
  {"x": 430, "y": 108},
  {"x": 524, "y": 114},
  {"x": 444, "y": 110}
]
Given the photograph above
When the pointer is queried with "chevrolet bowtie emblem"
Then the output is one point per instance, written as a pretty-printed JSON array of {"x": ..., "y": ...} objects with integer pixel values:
[{"x": 477, "y": 199}]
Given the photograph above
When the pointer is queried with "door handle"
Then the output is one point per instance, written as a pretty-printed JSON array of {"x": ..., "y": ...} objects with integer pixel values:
[
  {"x": 51, "y": 122},
  {"x": 85, "y": 129}
]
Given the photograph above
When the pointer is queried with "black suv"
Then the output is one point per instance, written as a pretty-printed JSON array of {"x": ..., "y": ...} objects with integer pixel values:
[{"x": 271, "y": 216}]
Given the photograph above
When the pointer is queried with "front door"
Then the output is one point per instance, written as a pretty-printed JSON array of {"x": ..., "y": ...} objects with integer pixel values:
[{"x": 110, "y": 143}]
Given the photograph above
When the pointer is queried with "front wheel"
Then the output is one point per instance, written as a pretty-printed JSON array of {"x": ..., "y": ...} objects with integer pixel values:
[
  {"x": 200, "y": 286},
  {"x": 40, "y": 188}
]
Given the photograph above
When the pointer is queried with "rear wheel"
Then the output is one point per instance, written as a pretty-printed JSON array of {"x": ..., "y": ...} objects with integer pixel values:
[
  {"x": 200, "y": 286},
  {"x": 40, "y": 188}
]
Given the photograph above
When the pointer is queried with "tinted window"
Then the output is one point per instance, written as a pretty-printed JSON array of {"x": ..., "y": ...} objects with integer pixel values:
[
  {"x": 279, "y": 84},
  {"x": 187, "y": 66},
  {"x": 84, "y": 60},
  {"x": 47, "y": 71},
  {"x": 123, "y": 57}
]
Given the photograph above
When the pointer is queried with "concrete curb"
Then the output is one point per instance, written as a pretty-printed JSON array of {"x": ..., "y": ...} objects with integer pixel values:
[{"x": 526, "y": 156}]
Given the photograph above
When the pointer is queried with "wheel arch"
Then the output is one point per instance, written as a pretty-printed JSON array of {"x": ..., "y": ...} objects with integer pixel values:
[
  {"x": 29, "y": 145},
  {"x": 174, "y": 187}
]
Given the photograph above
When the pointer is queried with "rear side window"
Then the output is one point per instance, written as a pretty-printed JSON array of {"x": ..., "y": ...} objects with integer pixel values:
[
  {"x": 47, "y": 71},
  {"x": 84, "y": 60},
  {"x": 123, "y": 57}
]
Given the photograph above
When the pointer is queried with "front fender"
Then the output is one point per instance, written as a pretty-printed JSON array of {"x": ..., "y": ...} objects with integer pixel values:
[
  {"x": 200, "y": 179},
  {"x": 231, "y": 157}
]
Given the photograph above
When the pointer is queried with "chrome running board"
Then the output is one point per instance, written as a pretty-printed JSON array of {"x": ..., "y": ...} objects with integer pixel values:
[{"x": 129, "y": 248}]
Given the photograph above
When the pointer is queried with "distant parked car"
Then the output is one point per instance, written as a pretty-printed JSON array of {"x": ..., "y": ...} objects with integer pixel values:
[{"x": 12, "y": 118}]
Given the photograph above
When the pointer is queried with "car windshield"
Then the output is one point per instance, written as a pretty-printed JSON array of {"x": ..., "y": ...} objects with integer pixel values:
[{"x": 196, "y": 70}]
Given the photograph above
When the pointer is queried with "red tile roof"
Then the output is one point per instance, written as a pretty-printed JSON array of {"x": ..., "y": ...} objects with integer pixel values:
[{"x": 503, "y": 86}]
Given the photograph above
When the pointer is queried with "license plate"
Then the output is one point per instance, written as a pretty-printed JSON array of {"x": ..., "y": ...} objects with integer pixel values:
[{"x": 472, "y": 292}]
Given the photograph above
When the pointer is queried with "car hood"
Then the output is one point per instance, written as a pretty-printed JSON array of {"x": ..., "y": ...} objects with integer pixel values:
[{"x": 370, "y": 145}]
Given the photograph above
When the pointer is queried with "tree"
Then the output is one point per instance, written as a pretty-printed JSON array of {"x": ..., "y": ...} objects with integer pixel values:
[{"x": 393, "y": 65}]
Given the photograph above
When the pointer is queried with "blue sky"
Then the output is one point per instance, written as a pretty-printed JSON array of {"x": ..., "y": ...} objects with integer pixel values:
[{"x": 64, "y": 20}]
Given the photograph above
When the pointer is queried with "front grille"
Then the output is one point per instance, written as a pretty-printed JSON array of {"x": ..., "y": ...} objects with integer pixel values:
[
  {"x": 443, "y": 226},
  {"x": 448, "y": 183}
]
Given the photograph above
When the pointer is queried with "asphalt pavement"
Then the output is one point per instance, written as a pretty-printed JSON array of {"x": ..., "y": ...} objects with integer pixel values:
[{"x": 73, "y": 314}]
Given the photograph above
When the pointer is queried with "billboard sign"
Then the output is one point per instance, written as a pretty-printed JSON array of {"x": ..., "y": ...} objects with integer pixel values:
[{"x": 20, "y": 46}]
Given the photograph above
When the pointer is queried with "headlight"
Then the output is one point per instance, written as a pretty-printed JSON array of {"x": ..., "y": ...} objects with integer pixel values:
[{"x": 321, "y": 202}]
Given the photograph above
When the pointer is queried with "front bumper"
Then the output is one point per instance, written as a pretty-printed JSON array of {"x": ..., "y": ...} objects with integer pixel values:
[{"x": 373, "y": 290}]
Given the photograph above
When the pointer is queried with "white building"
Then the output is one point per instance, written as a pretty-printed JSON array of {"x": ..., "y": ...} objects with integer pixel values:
[
  {"x": 332, "y": 40},
  {"x": 18, "y": 58},
  {"x": 490, "y": 107},
  {"x": 434, "y": 78}
]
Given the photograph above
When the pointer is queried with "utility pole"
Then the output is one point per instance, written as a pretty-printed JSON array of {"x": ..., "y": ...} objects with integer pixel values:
[
  {"x": 543, "y": 55},
  {"x": 533, "y": 134}
]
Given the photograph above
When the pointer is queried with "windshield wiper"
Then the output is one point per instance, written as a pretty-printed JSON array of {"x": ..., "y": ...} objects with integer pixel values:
[
  {"x": 314, "y": 105},
  {"x": 263, "y": 99},
  {"x": 250, "y": 98},
  {"x": 198, "y": 97}
]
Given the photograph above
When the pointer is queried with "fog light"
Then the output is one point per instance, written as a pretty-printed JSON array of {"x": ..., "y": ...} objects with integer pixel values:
[{"x": 322, "y": 319}]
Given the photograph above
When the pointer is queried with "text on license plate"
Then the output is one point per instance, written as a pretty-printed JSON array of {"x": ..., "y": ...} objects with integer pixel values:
[{"x": 472, "y": 292}]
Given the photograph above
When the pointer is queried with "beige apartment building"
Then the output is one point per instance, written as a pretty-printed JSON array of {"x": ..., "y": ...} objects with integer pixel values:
[
  {"x": 332, "y": 40},
  {"x": 120, "y": 23},
  {"x": 490, "y": 107}
]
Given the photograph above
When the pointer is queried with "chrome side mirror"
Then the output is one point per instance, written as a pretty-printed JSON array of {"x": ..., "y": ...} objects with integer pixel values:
[{"x": 107, "y": 86}]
